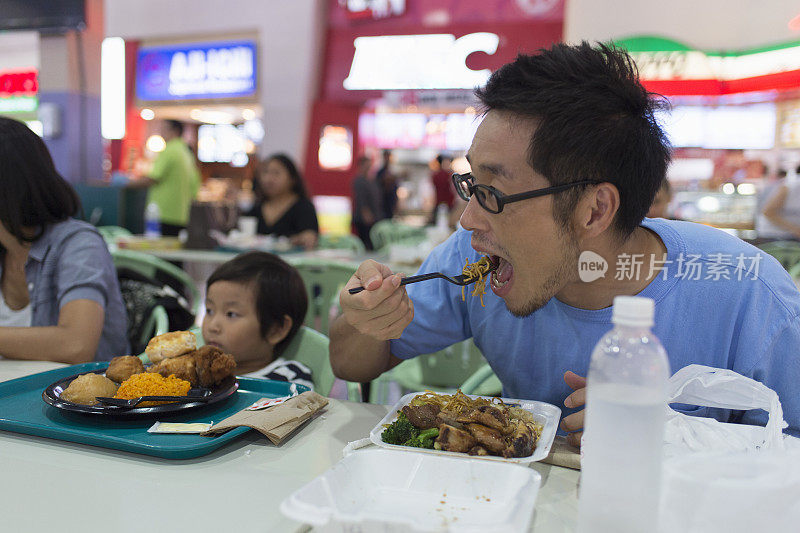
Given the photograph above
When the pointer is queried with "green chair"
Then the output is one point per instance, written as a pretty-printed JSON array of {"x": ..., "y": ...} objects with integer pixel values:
[
  {"x": 444, "y": 371},
  {"x": 151, "y": 266},
  {"x": 387, "y": 231},
  {"x": 341, "y": 242},
  {"x": 310, "y": 348},
  {"x": 482, "y": 380},
  {"x": 323, "y": 280},
  {"x": 112, "y": 234},
  {"x": 786, "y": 252}
]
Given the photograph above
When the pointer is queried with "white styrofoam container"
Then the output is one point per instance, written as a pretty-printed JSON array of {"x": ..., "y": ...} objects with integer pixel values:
[
  {"x": 394, "y": 491},
  {"x": 546, "y": 414}
]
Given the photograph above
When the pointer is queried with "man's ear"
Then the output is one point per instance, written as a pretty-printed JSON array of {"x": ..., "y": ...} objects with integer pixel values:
[
  {"x": 597, "y": 209},
  {"x": 278, "y": 331}
]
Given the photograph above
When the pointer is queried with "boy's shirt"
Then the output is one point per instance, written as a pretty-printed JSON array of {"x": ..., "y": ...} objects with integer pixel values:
[
  {"x": 285, "y": 370},
  {"x": 721, "y": 303}
]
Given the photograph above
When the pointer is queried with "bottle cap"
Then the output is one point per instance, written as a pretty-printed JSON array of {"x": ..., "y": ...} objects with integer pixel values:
[{"x": 633, "y": 311}]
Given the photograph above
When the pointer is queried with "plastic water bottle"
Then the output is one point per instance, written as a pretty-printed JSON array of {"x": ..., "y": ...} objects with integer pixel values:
[
  {"x": 626, "y": 398},
  {"x": 152, "y": 221}
]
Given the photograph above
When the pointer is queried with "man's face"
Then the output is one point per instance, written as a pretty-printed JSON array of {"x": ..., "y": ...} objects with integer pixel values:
[{"x": 536, "y": 256}]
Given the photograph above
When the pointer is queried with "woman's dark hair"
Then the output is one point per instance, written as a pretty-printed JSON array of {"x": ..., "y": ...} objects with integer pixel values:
[
  {"x": 278, "y": 286},
  {"x": 594, "y": 121},
  {"x": 298, "y": 187},
  {"x": 32, "y": 192}
]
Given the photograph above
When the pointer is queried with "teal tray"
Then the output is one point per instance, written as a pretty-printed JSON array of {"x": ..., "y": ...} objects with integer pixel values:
[{"x": 22, "y": 410}]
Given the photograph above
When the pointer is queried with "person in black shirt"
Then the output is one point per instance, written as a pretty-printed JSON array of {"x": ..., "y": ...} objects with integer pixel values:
[{"x": 282, "y": 205}]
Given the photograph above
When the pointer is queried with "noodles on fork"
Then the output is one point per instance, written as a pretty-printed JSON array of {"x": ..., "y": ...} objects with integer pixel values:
[{"x": 479, "y": 270}]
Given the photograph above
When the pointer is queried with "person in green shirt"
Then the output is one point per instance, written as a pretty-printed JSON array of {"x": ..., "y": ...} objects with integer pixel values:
[{"x": 174, "y": 180}]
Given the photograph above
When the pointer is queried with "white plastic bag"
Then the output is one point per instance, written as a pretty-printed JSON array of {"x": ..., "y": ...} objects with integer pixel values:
[{"x": 722, "y": 388}]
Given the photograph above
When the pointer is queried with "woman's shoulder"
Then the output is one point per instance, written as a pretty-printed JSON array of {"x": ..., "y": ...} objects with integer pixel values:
[
  {"x": 304, "y": 203},
  {"x": 71, "y": 229}
]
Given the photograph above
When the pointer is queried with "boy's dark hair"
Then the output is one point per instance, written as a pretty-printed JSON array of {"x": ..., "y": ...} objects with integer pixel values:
[
  {"x": 32, "y": 192},
  {"x": 594, "y": 121},
  {"x": 278, "y": 286},
  {"x": 176, "y": 126}
]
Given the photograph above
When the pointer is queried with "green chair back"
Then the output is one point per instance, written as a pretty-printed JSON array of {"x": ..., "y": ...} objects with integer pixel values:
[
  {"x": 323, "y": 280},
  {"x": 111, "y": 234},
  {"x": 483, "y": 382},
  {"x": 786, "y": 252},
  {"x": 341, "y": 242},
  {"x": 386, "y": 232},
  {"x": 149, "y": 265},
  {"x": 444, "y": 371}
]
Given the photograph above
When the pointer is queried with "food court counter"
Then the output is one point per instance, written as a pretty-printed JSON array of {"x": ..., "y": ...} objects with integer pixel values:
[{"x": 50, "y": 485}]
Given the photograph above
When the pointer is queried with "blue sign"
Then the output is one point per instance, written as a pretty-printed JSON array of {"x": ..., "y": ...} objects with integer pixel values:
[{"x": 203, "y": 70}]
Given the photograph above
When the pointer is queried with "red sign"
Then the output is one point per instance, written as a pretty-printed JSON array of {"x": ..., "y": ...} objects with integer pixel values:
[{"x": 18, "y": 83}]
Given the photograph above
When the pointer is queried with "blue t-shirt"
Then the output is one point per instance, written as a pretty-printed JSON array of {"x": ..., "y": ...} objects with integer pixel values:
[{"x": 718, "y": 302}]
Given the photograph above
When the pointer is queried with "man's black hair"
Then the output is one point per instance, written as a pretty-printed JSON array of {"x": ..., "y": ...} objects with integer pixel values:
[
  {"x": 594, "y": 121},
  {"x": 32, "y": 192},
  {"x": 176, "y": 126},
  {"x": 278, "y": 288}
]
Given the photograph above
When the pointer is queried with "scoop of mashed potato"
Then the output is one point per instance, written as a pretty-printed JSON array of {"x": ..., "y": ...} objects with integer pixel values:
[{"x": 86, "y": 388}]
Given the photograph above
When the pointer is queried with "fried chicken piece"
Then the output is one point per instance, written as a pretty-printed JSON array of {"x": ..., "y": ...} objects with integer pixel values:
[
  {"x": 123, "y": 367},
  {"x": 422, "y": 416},
  {"x": 522, "y": 441},
  {"x": 451, "y": 439},
  {"x": 449, "y": 418},
  {"x": 489, "y": 438},
  {"x": 212, "y": 365},
  {"x": 488, "y": 415},
  {"x": 203, "y": 367},
  {"x": 182, "y": 367}
]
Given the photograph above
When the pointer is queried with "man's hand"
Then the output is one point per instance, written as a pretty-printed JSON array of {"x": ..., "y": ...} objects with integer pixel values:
[
  {"x": 574, "y": 422},
  {"x": 381, "y": 311}
]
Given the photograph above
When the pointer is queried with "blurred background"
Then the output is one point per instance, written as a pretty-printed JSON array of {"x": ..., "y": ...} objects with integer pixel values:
[{"x": 327, "y": 81}]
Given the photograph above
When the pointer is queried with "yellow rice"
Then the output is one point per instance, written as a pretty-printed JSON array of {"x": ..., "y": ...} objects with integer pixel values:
[{"x": 152, "y": 384}]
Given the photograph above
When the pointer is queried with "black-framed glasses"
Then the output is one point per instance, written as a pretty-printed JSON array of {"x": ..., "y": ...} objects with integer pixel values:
[{"x": 493, "y": 200}]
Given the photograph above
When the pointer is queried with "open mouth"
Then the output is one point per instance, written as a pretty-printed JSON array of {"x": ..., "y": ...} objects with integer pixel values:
[{"x": 501, "y": 275}]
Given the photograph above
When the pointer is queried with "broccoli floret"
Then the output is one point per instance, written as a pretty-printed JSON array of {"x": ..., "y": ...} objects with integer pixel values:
[
  {"x": 424, "y": 439},
  {"x": 399, "y": 431}
]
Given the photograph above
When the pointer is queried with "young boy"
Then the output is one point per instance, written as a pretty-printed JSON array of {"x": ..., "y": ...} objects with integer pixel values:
[{"x": 255, "y": 304}]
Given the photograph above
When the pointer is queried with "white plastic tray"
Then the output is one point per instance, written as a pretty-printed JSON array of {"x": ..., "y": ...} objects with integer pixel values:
[
  {"x": 546, "y": 414},
  {"x": 392, "y": 491}
]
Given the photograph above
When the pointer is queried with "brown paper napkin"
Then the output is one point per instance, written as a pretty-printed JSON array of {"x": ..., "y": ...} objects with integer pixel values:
[
  {"x": 276, "y": 422},
  {"x": 564, "y": 454}
]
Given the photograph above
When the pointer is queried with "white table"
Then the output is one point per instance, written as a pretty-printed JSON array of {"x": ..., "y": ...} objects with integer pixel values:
[{"x": 50, "y": 485}]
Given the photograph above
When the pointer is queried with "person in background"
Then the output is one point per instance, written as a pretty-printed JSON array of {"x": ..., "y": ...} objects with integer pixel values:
[
  {"x": 173, "y": 181},
  {"x": 660, "y": 206},
  {"x": 282, "y": 205},
  {"x": 778, "y": 217},
  {"x": 367, "y": 200},
  {"x": 60, "y": 296},
  {"x": 387, "y": 182},
  {"x": 443, "y": 185},
  {"x": 255, "y": 305},
  {"x": 568, "y": 159}
]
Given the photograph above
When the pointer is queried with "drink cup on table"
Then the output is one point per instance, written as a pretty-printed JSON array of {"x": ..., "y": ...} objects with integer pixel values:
[{"x": 248, "y": 225}]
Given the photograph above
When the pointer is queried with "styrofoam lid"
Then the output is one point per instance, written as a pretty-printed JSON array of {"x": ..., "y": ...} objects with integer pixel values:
[{"x": 633, "y": 311}]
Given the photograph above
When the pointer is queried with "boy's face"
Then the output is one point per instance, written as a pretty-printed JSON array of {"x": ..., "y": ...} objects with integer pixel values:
[{"x": 231, "y": 324}]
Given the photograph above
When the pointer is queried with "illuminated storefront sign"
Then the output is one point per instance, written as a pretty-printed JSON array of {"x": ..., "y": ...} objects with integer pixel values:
[
  {"x": 435, "y": 61},
  {"x": 207, "y": 70},
  {"x": 18, "y": 90},
  {"x": 373, "y": 9},
  {"x": 667, "y": 65}
]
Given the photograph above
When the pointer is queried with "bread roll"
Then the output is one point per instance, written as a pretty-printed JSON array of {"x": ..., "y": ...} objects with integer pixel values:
[{"x": 169, "y": 345}]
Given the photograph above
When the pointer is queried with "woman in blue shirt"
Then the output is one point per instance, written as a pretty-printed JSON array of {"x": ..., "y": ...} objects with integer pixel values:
[{"x": 60, "y": 298}]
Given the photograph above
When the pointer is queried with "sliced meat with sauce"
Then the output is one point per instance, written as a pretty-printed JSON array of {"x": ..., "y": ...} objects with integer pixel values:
[
  {"x": 478, "y": 450},
  {"x": 449, "y": 418},
  {"x": 452, "y": 439},
  {"x": 489, "y": 438},
  {"x": 522, "y": 441},
  {"x": 422, "y": 416},
  {"x": 488, "y": 415}
]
